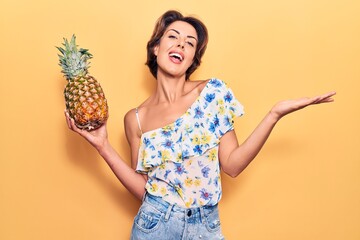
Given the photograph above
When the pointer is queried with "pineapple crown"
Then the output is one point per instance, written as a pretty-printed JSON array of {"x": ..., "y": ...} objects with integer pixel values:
[{"x": 73, "y": 60}]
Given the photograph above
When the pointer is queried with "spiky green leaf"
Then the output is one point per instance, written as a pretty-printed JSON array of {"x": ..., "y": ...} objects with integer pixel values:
[{"x": 74, "y": 62}]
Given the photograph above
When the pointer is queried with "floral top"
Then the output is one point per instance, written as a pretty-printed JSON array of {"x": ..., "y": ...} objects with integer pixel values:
[{"x": 181, "y": 158}]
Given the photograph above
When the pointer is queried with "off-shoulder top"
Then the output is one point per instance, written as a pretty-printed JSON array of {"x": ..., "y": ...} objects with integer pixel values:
[{"x": 181, "y": 158}]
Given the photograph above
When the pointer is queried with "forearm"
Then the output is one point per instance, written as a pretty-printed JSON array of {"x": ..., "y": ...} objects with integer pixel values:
[
  {"x": 132, "y": 181},
  {"x": 242, "y": 156}
]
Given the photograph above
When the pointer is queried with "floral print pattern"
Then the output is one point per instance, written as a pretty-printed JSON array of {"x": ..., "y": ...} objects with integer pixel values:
[{"x": 181, "y": 158}]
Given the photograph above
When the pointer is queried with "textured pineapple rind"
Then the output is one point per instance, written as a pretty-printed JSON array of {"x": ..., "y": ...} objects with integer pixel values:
[{"x": 86, "y": 103}]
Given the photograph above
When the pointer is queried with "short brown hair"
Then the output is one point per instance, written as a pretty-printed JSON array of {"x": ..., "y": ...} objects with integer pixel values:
[{"x": 162, "y": 23}]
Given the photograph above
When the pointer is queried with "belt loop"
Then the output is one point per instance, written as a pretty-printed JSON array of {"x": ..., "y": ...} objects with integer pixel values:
[
  {"x": 202, "y": 215},
  {"x": 168, "y": 212}
]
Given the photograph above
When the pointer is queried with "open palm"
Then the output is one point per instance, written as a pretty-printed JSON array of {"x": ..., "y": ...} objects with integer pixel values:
[{"x": 288, "y": 106}]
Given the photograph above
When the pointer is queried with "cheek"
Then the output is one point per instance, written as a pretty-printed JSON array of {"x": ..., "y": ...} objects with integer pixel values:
[{"x": 192, "y": 59}]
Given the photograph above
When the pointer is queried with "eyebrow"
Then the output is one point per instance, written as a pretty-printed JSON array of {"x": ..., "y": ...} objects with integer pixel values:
[{"x": 189, "y": 36}]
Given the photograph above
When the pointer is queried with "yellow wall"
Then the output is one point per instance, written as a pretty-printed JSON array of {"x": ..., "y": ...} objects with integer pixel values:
[{"x": 305, "y": 184}]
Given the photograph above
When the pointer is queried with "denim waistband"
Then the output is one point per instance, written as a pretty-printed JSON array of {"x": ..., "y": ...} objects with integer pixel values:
[{"x": 167, "y": 208}]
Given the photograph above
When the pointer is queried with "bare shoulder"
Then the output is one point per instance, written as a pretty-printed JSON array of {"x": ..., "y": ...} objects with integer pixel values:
[
  {"x": 129, "y": 116},
  {"x": 131, "y": 126},
  {"x": 133, "y": 135}
]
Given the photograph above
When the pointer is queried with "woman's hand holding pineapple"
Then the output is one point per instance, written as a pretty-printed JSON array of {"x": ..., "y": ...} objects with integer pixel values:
[{"x": 97, "y": 138}]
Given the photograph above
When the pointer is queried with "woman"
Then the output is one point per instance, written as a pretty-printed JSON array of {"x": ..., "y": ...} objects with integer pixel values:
[{"x": 181, "y": 135}]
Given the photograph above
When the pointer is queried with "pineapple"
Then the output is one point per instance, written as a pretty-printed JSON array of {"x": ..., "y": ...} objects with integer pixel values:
[{"x": 84, "y": 98}]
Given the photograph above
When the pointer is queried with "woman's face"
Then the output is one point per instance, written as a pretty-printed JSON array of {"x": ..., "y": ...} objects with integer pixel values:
[{"x": 176, "y": 50}]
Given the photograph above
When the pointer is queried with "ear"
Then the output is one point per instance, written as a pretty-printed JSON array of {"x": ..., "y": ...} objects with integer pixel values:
[{"x": 156, "y": 50}]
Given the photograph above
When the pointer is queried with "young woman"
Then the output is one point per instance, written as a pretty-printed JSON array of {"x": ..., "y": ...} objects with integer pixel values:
[{"x": 182, "y": 135}]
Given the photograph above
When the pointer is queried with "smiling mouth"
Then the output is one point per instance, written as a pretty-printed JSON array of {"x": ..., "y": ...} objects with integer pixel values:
[{"x": 177, "y": 56}]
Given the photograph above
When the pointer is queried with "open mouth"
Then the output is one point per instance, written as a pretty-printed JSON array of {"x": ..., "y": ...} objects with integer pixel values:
[{"x": 176, "y": 56}]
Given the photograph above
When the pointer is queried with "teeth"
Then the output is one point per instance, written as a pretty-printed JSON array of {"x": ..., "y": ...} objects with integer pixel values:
[{"x": 176, "y": 55}]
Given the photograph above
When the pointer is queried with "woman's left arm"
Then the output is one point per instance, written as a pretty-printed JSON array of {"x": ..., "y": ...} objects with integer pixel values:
[{"x": 234, "y": 158}]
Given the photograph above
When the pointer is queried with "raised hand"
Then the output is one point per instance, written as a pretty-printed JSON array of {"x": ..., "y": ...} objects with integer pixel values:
[{"x": 288, "y": 106}]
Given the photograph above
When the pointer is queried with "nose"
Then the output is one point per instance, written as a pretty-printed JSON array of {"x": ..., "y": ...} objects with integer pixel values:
[{"x": 181, "y": 45}]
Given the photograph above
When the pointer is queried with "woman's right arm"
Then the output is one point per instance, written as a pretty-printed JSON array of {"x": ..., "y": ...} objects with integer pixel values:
[{"x": 132, "y": 181}]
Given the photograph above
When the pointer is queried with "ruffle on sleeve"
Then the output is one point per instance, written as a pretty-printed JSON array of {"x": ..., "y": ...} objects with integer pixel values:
[
  {"x": 197, "y": 131},
  {"x": 226, "y": 109}
]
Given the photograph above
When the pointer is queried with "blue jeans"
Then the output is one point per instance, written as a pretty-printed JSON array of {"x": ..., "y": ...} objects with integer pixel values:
[{"x": 159, "y": 220}]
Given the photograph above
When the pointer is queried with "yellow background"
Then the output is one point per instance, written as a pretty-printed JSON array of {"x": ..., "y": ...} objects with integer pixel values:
[{"x": 305, "y": 184}]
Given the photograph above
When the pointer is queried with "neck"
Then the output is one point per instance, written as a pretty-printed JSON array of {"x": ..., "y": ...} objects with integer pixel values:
[{"x": 169, "y": 89}]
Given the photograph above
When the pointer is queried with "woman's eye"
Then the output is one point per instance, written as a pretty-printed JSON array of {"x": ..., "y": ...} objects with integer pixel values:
[
  {"x": 191, "y": 44},
  {"x": 172, "y": 36}
]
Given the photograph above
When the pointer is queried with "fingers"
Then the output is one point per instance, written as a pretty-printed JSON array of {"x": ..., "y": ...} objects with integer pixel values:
[
  {"x": 67, "y": 117},
  {"x": 71, "y": 123},
  {"x": 325, "y": 98}
]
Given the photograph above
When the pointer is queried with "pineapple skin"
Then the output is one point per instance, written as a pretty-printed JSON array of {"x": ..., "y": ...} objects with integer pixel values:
[{"x": 86, "y": 103}]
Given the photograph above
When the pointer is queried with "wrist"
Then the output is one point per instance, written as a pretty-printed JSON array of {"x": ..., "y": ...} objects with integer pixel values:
[
  {"x": 273, "y": 116},
  {"x": 102, "y": 148}
]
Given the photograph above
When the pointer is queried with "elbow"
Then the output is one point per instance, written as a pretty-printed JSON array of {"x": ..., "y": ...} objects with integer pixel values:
[
  {"x": 139, "y": 193},
  {"x": 232, "y": 172},
  {"x": 234, "y": 175}
]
